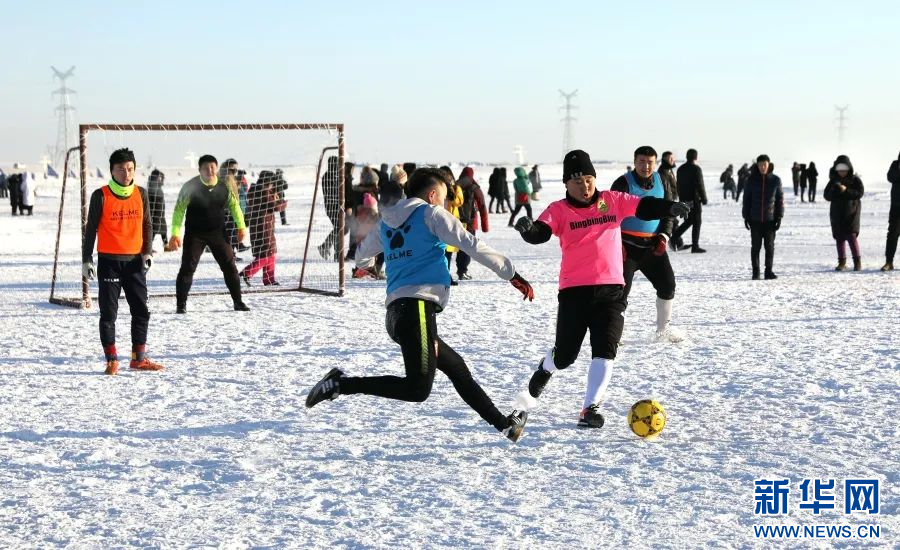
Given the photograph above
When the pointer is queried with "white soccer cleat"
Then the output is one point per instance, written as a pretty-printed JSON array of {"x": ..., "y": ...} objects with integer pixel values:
[{"x": 669, "y": 335}]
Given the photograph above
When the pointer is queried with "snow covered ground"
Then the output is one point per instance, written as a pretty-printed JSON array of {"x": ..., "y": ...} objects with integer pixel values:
[{"x": 795, "y": 378}]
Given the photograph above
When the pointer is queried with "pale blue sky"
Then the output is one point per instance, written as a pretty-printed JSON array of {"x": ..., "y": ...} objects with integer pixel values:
[{"x": 469, "y": 80}]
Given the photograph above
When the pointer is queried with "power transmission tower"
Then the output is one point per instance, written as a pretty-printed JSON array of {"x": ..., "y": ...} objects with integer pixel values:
[
  {"x": 64, "y": 121},
  {"x": 568, "y": 120},
  {"x": 841, "y": 120}
]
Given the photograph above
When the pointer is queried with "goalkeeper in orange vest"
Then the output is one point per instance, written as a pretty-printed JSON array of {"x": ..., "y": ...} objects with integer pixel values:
[{"x": 119, "y": 219}]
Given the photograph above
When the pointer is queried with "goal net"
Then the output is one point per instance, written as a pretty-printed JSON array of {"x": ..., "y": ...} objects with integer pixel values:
[{"x": 277, "y": 178}]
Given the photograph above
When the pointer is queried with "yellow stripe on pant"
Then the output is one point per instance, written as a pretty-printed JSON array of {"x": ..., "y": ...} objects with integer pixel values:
[{"x": 423, "y": 332}]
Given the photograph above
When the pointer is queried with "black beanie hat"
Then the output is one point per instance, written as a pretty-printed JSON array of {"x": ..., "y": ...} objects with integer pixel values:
[
  {"x": 121, "y": 156},
  {"x": 207, "y": 158},
  {"x": 577, "y": 163}
]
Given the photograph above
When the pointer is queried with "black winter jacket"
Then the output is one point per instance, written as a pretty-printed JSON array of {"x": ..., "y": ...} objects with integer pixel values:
[
  {"x": 690, "y": 183},
  {"x": 763, "y": 197},
  {"x": 845, "y": 205}
]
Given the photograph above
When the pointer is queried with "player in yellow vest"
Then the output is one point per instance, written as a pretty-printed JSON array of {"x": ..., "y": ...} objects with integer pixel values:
[{"x": 119, "y": 220}]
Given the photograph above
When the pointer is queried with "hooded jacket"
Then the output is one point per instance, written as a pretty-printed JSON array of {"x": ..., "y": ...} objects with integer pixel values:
[
  {"x": 447, "y": 229},
  {"x": 262, "y": 203},
  {"x": 763, "y": 197},
  {"x": 467, "y": 183},
  {"x": 845, "y": 205},
  {"x": 522, "y": 185}
]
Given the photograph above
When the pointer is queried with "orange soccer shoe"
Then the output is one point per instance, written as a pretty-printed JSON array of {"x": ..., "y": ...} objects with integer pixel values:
[
  {"x": 112, "y": 367},
  {"x": 145, "y": 364}
]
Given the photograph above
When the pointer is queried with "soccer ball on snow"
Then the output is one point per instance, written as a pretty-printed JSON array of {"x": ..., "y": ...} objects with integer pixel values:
[{"x": 646, "y": 418}]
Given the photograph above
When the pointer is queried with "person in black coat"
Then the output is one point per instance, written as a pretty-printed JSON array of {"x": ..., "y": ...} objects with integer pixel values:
[
  {"x": 157, "y": 203},
  {"x": 503, "y": 188},
  {"x": 14, "y": 183},
  {"x": 812, "y": 177},
  {"x": 804, "y": 178},
  {"x": 893, "y": 233},
  {"x": 494, "y": 191},
  {"x": 845, "y": 190},
  {"x": 763, "y": 210},
  {"x": 743, "y": 174},
  {"x": 4, "y": 190},
  {"x": 691, "y": 189},
  {"x": 795, "y": 176}
]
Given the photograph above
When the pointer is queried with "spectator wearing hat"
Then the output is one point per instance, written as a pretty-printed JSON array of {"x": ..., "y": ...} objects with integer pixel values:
[{"x": 845, "y": 191}]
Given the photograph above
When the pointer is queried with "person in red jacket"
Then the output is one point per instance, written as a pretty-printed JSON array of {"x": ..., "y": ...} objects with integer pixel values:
[{"x": 472, "y": 209}]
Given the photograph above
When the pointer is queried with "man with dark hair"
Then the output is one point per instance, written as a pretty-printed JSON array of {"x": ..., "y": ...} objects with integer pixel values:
[
  {"x": 691, "y": 189},
  {"x": 795, "y": 175},
  {"x": 645, "y": 241},
  {"x": 763, "y": 210},
  {"x": 200, "y": 208},
  {"x": 591, "y": 282},
  {"x": 890, "y": 247},
  {"x": 119, "y": 218},
  {"x": 412, "y": 235}
]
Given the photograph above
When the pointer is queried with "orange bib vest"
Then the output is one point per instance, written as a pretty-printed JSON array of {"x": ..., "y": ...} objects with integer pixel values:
[{"x": 120, "y": 230}]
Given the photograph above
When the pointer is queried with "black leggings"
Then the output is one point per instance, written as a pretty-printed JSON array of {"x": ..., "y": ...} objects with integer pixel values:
[
  {"x": 113, "y": 276},
  {"x": 411, "y": 323},
  {"x": 657, "y": 269},
  {"x": 193, "y": 246},
  {"x": 597, "y": 308}
]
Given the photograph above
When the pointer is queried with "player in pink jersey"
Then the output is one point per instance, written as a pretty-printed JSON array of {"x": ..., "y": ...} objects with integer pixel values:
[{"x": 591, "y": 282}]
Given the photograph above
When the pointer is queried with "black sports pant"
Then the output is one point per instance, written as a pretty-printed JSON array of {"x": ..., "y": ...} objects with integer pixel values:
[
  {"x": 762, "y": 233},
  {"x": 113, "y": 276},
  {"x": 411, "y": 323},
  {"x": 193, "y": 246},
  {"x": 332, "y": 241},
  {"x": 694, "y": 219},
  {"x": 893, "y": 233},
  {"x": 657, "y": 269},
  {"x": 526, "y": 206},
  {"x": 812, "y": 191},
  {"x": 597, "y": 308}
]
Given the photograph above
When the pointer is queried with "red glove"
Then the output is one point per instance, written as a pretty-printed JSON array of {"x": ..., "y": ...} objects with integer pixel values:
[
  {"x": 660, "y": 242},
  {"x": 362, "y": 273},
  {"x": 522, "y": 286}
]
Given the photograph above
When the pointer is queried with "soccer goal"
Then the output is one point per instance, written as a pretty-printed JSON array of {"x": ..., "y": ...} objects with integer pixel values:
[{"x": 289, "y": 160}]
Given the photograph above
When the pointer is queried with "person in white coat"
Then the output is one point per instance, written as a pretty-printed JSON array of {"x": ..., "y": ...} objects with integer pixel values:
[{"x": 27, "y": 187}]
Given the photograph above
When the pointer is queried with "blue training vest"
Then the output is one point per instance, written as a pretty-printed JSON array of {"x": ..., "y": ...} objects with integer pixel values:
[
  {"x": 634, "y": 225},
  {"x": 412, "y": 254}
]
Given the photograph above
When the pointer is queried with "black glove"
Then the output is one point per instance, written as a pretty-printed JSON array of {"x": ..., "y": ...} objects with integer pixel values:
[
  {"x": 524, "y": 224},
  {"x": 776, "y": 225},
  {"x": 522, "y": 286},
  {"x": 680, "y": 209},
  {"x": 703, "y": 202},
  {"x": 747, "y": 224}
]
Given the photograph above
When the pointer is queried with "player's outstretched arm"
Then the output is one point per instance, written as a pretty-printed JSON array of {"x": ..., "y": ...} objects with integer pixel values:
[
  {"x": 368, "y": 249},
  {"x": 651, "y": 208},
  {"x": 533, "y": 232}
]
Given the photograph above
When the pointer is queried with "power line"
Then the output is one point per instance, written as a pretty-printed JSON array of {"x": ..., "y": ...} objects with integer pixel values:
[
  {"x": 568, "y": 120},
  {"x": 63, "y": 116},
  {"x": 841, "y": 119}
]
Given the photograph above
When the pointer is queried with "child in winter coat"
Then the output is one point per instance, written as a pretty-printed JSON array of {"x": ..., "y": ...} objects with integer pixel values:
[
  {"x": 262, "y": 203},
  {"x": 845, "y": 190},
  {"x": 523, "y": 189}
]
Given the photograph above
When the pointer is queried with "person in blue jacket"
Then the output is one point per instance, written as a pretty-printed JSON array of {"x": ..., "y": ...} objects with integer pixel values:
[{"x": 413, "y": 235}]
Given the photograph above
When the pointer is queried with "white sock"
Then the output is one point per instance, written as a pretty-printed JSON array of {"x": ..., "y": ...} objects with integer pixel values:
[
  {"x": 598, "y": 377},
  {"x": 663, "y": 313},
  {"x": 548, "y": 364}
]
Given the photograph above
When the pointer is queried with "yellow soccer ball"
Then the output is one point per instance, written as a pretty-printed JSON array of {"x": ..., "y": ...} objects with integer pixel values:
[{"x": 647, "y": 418}]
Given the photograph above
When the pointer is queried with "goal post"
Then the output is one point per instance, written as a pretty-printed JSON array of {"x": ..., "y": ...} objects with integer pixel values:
[{"x": 283, "y": 167}]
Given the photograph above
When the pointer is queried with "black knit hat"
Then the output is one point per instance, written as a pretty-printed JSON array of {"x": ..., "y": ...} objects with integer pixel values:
[
  {"x": 577, "y": 163},
  {"x": 207, "y": 158},
  {"x": 121, "y": 156}
]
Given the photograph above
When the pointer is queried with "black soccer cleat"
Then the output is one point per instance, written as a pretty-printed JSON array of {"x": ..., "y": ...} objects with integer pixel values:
[
  {"x": 241, "y": 306},
  {"x": 516, "y": 427},
  {"x": 326, "y": 388},
  {"x": 590, "y": 417},
  {"x": 181, "y": 308},
  {"x": 538, "y": 381}
]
